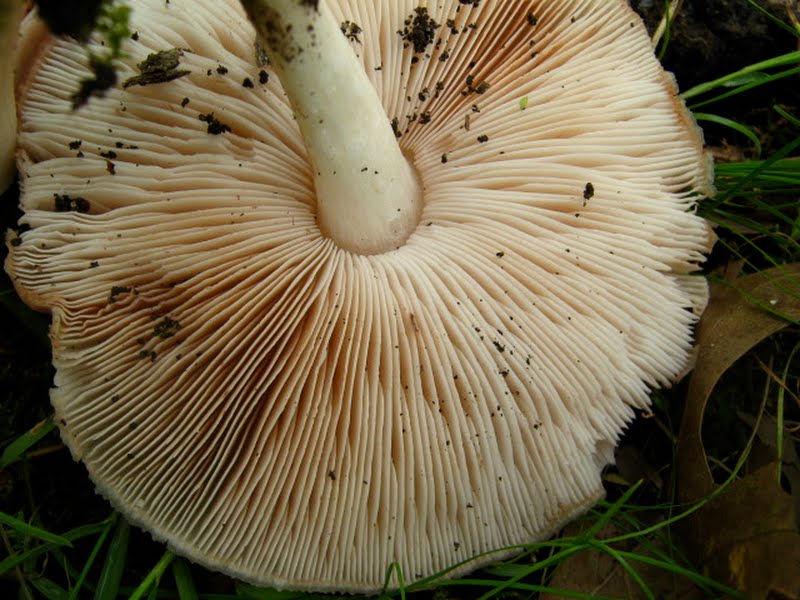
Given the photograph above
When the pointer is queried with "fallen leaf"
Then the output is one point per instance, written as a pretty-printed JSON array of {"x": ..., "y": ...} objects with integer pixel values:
[
  {"x": 739, "y": 316},
  {"x": 747, "y": 535},
  {"x": 599, "y": 574},
  {"x": 767, "y": 433}
]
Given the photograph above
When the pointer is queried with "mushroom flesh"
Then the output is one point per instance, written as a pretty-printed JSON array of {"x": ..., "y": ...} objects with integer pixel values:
[{"x": 390, "y": 298}]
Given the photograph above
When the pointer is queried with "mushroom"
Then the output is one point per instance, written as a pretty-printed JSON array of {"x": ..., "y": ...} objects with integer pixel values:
[
  {"x": 10, "y": 15},
  {"x": 390, "y": 299}
]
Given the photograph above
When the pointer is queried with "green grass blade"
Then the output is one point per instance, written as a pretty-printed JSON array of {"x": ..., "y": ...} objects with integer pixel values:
[
  {"x": 524, "y": 587},
  {"x": 252, "y": 592},
  {"x": 780, "y": 177},
  {"x": 183, "y": 580},
  {"x": 784, "y": 283},
  {"x": 787, "y": 115},
  {"x": 114, "y": 566},
  {"x": 151, "y": 581},
  {"x": 401, "y": 582},
  {"x": 517, "y": 571},
  {"x": 101, "y": 540},
  {"x": 677, "y": 569},
  {"x": 73, "y": 534},
  {"x": 753, "y": 175},
  {"x": 731, "y": 124},
  {"x": 48, "y": 588},
  {"x": 790, "y": 58},
  {"x": 610, "y": 512},
  {"x": 499, "y": 587},
  {"x": 669, "y": 15},
  {"x": 779, "y": 22},
  {"x": 26, "y": 529},
  {"x": 632, "y": 573},
  {"x": 779, "y": 415},
  {"x": 747, "y": 87},
  {"x": 16, "y": 449}
]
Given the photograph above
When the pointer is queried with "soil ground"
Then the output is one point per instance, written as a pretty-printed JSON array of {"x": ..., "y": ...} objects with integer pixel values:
[{"x": 711, "y": 38}]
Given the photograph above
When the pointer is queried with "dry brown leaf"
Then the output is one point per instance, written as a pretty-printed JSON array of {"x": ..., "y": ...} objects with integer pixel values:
[
  {"x": 746, "y": 536},
  {"x": 736, "y": 320},
  {"x": 599, "y": 574},
  {"x": 766, "y": 450}
]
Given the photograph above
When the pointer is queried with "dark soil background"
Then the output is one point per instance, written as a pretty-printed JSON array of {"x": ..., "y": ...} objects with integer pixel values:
[
  {"x": 714, "y": 37},
  {"x": 710, "y": 38}
]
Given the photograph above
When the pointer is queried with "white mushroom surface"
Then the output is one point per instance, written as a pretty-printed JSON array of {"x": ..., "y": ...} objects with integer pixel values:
[
  {"x": 10, "y": 14},
  {"x": 299, "y": 415}
]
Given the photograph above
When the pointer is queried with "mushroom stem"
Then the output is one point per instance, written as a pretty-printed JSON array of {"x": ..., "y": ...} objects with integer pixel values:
[
  {"x": 368, "y": 194},
  {"x": 10, "y": 15}
]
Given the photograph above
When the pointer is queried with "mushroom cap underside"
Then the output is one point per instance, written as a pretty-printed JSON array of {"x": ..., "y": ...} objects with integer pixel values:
[{"x": 301, "y": 416}]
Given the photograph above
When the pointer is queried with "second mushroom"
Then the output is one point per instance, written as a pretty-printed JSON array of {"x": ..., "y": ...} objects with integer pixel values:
[{"x": 389, "y": 298}]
